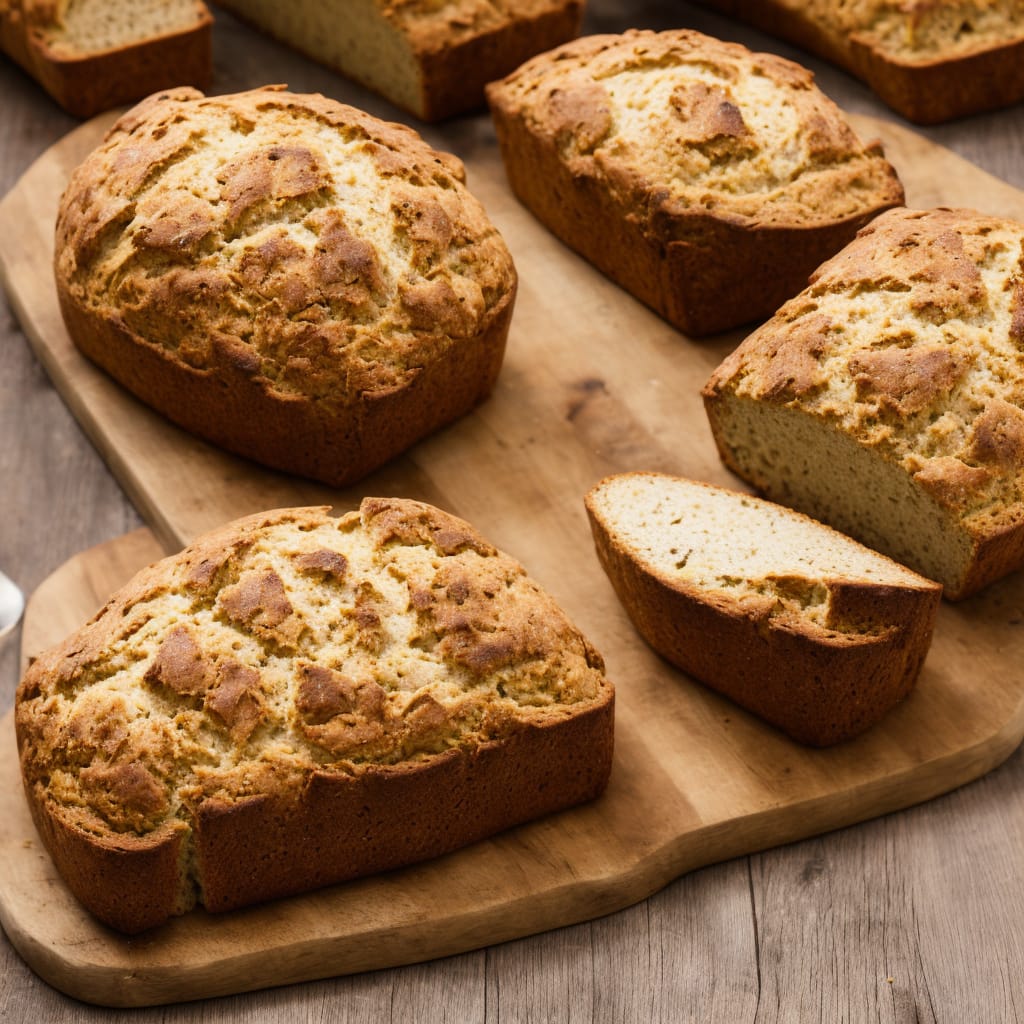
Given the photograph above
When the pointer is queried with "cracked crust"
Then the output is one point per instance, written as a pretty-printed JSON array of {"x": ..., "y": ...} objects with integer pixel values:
[
  {"x": 795, "y": 622},
  {"x": 888, "y": 398},
  {"x": 707, "y": 180},
  {"x": 285, "y": 276},
  {"x": 334, "y": 696}
]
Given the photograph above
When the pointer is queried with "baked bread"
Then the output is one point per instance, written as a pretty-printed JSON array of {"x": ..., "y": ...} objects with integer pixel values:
[
  {"x": 930, "y": 60},
  {"x": 92, "y": 55},
  {"x": 887, "y": 398},
  {"x": 333, "y": 697},
  {"x": 429, "y": 57},
  {"x": 707, "y": 180},
  {"x": 285, "y": 276},
  {"x": 792, "y": 620}
]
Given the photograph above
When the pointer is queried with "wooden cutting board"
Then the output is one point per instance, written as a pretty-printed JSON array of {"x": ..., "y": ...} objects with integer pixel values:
[{"x": 593, "y": 384}]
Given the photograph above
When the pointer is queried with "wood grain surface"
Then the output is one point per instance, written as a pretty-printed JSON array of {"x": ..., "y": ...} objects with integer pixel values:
[{"x": 912, "y": 917}]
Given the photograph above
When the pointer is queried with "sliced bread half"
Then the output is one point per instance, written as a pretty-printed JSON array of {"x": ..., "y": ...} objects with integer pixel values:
[{"x": 794, "y": 621}]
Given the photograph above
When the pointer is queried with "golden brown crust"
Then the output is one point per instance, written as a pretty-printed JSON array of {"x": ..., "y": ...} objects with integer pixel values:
[
  {"x": 904, "y": 344},
  {"x": 714, "y": 203},
  {"x": 335, "y": 696},
  {"x": 85, "y": 81},
  {"x": 930, "y": 61},
  {"x": 822, "y": 678},
  {"x": 285, "y": 276}
]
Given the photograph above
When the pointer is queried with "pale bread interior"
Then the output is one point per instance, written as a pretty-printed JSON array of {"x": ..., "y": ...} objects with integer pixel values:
[
  {"x": 95, "y": 26},
  {"x": 720, "y": 540}
]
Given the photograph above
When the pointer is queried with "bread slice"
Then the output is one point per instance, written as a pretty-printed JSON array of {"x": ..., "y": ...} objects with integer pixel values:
[
  {"x": 706, "y": 180},
  {"x": 297, "y": 699},
  {"x": 929, "y": 61},
  {"x": 887, "y": 399},
  {"x": 93, "y": 55},
  {"x": 795, "y": 622},
  {"x": 431, "y": 59}
]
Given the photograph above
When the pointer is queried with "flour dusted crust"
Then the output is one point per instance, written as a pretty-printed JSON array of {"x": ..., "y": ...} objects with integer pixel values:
[
  {"x": 930, "y": 60},
  {"x": 799, "y": 624},
  {"x": 92, "y": 55},
  {"x": 285, "y": 276},
  {"x": 888, "y": 398},
  {"x": 707, "y": 180},
  {"x": 430, "y": 57},
  {"x": 333, "y": 697}
]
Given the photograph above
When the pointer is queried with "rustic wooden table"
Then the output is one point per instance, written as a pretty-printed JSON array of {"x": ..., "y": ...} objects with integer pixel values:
[{"x": 913, "y": 917}]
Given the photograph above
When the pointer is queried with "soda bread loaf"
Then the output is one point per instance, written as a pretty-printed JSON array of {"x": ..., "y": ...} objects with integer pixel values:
[
  {"x": 295, "y": 700},
  {"x": 792, "y": 620},
  {"x": 429, "y": 57},
  {"x": 707, "y": 180},
  {"x": 888, "y": 398},
  {"x": 285, "y": 276},
  {"x": 92, "y": 55},
  {"x": 930, "y": 60}
]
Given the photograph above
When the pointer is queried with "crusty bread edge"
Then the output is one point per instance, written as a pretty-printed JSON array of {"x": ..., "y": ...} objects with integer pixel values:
[
  {"x": 454, "y": 78},
  {"x": 385, "y": 817},
  {"x": 341, "y": 826},
  {"x": 819, "y": 688},
  {"x": 90, "y": 84},
  {"x": 230, "y": 406}
]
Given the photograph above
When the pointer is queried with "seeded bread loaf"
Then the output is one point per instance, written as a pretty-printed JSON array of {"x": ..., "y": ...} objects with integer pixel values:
[
  {"x": 285, "y": 276},
  {"x": 707, "y": 180},
  {"x": 792, "y": 620},
  {"x": 92, "y": 55},
  {"x": 430, "y": 57},
  {"x": 295, "y": 700},
  {"x": 888, "y": 398},
  {"x": 930, "y": 60}
]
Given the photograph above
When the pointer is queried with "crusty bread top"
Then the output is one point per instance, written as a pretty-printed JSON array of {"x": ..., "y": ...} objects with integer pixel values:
[
  {"x": 326, "y": 252},
  {"x": 80, "y": 28},
  {"x": 912, "y": 341},
  {"x": 919, "y": 31},
  {"x": 765, "y": 558},
  {"x": 291, "y": 641},
  {"x": 434, "y": 25},
  {"x": 682, "y": 119}
]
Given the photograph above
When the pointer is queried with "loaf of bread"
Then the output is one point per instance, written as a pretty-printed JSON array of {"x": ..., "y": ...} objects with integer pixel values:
[
  {"x": 795, "y": 622},
  {"x": 92, "y": 55},
  {"x": 888, "y": 398},
  {"x": 707, "y": 180},
  {"x": 429, "y": 57},
  {"x": 285, "y": 276},
  {"x": 930, "y": 60},
  {"x": 296, "y": 700}
]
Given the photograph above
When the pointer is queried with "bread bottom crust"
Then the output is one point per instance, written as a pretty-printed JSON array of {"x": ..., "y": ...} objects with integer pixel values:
[
  {"x": 335, "y": 442},
  {"x": 819, "y": 688},
  {"x": 339, "y": 826},
  {"x": 90, "y": 84}
]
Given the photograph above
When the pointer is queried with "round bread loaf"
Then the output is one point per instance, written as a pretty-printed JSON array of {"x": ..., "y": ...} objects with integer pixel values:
[
  {"x": 284, "y": 276},
  {"x": 295, "y": 700}
]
